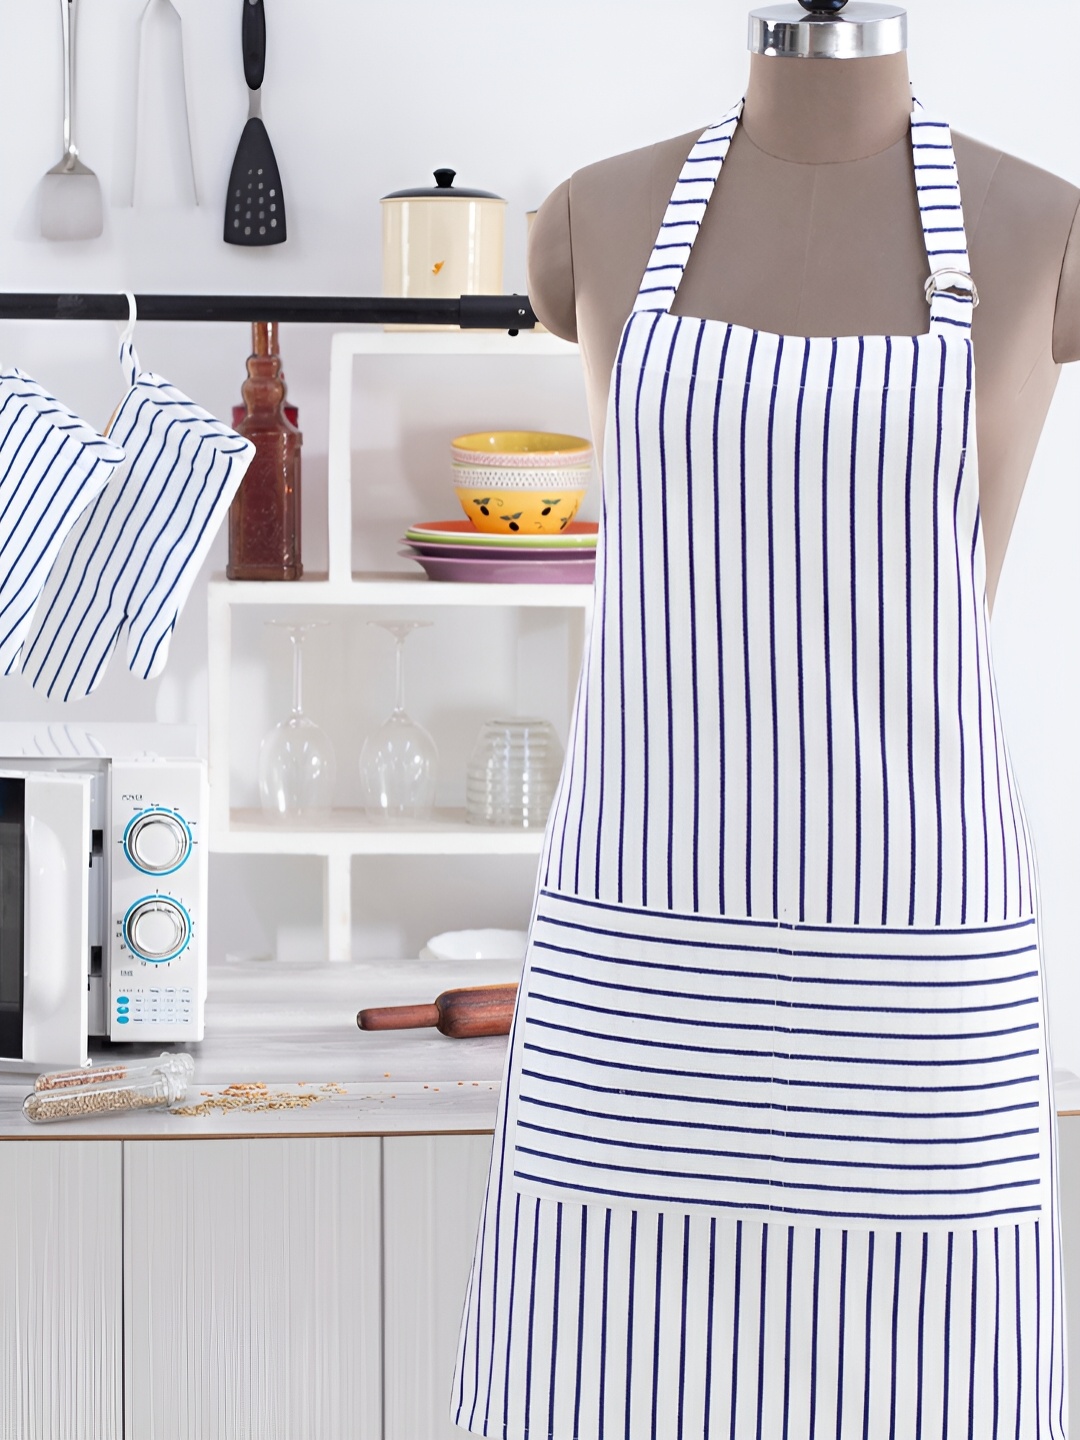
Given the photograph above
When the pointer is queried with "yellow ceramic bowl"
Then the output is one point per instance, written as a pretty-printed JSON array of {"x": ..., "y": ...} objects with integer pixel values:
[
  {"x": 519, "y": 512},
  {"x": 520, "y": 481},
  {"x": 521, "y": 449}
]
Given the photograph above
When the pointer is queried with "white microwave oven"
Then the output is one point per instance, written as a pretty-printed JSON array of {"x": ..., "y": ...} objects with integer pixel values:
[{"x": 103, "y": 889}]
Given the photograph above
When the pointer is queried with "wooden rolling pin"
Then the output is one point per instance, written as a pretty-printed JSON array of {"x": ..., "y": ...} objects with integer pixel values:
[{"x": 461, "y": 1014}]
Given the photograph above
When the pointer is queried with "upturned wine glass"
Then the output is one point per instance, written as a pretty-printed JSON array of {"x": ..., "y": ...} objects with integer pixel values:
[
  {"x": 297, "y": 768},
  {"x": 399, "y": 761}
]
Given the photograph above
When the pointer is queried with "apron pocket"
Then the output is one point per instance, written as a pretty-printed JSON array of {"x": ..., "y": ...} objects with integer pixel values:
[{"x": 832, "y": 1075}]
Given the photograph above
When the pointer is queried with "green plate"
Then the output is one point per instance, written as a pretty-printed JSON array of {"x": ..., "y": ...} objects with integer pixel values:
[{"x": 578, "y": 535}]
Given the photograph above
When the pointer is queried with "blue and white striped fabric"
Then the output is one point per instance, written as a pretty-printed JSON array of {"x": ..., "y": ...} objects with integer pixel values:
[
  {"x": 134, "y": 554},
  {"x": 775, "y": 1155},
  {"x": 786, "y": 1036},
  {"x": 51, "y": 467},
  {"x": 938, "y": 187}
]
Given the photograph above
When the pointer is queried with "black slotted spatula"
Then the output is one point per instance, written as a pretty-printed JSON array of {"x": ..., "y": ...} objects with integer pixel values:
[{"x": 255, "y": 208}]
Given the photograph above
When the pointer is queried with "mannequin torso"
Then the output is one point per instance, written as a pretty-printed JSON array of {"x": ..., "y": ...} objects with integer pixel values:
[{"x": 814, "y": 230}]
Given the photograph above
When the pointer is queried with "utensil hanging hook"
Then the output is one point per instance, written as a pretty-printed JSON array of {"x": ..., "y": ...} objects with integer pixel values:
[
  {"x": 129, "y": 361},
  {"x": 133, "y": 314}
]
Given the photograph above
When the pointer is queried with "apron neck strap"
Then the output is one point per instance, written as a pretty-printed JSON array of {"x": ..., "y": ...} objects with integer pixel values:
[
  {"x": 684, "y": 214},
  {"x": 950, "y": 289}
]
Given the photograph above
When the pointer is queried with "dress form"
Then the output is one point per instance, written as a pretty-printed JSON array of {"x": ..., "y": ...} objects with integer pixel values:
[{"x": 814, "y": 230}]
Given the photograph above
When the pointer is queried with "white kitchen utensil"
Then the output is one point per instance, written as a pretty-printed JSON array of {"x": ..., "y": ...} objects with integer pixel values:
[
  {"x": 71, "y": 205},
  {"x": 164, "y": 170}
]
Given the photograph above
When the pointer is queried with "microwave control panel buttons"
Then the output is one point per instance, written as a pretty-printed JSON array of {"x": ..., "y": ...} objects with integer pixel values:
[
  {"x": 158, "y": 841},
  {"x": 157, "y": 929},
  {"x": 155, "y": 1005},
  {"x": 157, "y": 922}
]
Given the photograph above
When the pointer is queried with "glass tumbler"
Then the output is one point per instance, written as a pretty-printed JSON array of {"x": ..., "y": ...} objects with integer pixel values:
[{"x": 513, "y": 773}]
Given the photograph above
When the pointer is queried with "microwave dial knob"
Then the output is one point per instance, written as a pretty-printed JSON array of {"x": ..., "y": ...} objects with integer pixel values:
[
  {"x": 157, "y": 842},
  {"x": 157, "y": 929}
]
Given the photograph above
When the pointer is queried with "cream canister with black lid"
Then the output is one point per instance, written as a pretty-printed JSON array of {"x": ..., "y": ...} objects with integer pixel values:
[{"x": 443, "y": 241}]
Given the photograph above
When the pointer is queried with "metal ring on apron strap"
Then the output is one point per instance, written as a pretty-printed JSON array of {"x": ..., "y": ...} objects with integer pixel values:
[{"x": 951, "y": 282}]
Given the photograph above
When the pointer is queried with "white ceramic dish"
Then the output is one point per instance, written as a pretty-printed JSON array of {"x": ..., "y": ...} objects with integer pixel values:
[{"x": 476, "y": 945}]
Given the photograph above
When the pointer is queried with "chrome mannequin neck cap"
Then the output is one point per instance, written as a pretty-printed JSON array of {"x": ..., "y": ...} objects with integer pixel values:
[{"x": 822, "y": 31}]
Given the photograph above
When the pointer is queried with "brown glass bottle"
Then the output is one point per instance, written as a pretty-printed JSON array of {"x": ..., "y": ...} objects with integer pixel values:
[{"x": 264, "y": 519}]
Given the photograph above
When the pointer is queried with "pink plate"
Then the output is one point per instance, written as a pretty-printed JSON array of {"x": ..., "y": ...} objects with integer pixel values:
[{"x": 521, "y": 570}]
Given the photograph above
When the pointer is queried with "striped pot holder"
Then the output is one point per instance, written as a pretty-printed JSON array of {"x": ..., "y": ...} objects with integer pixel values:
[
  {"x": 826, "y": 1074},
  {"x": 52, "y": 465},
  {"x": 133, "y": 556}
]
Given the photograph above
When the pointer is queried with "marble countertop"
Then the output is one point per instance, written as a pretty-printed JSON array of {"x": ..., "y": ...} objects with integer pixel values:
[{"x": 293, "y": 1029}]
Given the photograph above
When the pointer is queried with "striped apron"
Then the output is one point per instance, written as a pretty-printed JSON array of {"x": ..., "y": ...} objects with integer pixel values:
[{"x": 775, "y": 1153}]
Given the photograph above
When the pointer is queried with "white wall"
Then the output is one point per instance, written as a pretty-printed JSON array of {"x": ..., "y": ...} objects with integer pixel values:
[{"x": 362, "y": 98}]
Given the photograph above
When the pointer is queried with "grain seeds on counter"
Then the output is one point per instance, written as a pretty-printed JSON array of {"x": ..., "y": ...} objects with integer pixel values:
[{"x": 254, "y": 1096}]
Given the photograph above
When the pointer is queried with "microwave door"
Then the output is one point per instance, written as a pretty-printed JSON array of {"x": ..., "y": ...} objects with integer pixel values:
[{"x": 44, "y": 918}]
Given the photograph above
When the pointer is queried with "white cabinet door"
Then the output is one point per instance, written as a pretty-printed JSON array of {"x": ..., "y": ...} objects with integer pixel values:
[
  {"x": 433, "y": 1188},
  {"x": 61, "y": 1290},
  {"x": 1069, "y": 1163},
  {"x": 252, "y": 1289}
]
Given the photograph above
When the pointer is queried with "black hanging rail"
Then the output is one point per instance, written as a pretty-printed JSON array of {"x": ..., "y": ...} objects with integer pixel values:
[{"x": 471, "y": 312}]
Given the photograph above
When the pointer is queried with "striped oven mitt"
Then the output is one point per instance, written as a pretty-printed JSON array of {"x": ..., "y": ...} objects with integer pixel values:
[
  {"x": 52, "y": 465},
  {"x": 134, "y": 554}
]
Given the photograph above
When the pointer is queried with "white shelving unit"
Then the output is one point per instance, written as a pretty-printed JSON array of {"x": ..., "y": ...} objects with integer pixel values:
[{"x": 245, "y": 831}]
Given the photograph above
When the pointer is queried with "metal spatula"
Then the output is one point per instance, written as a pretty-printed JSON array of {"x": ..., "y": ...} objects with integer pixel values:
[
  {"x": 71, "y": 206},
  {"x": 255, "y": 207}
]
